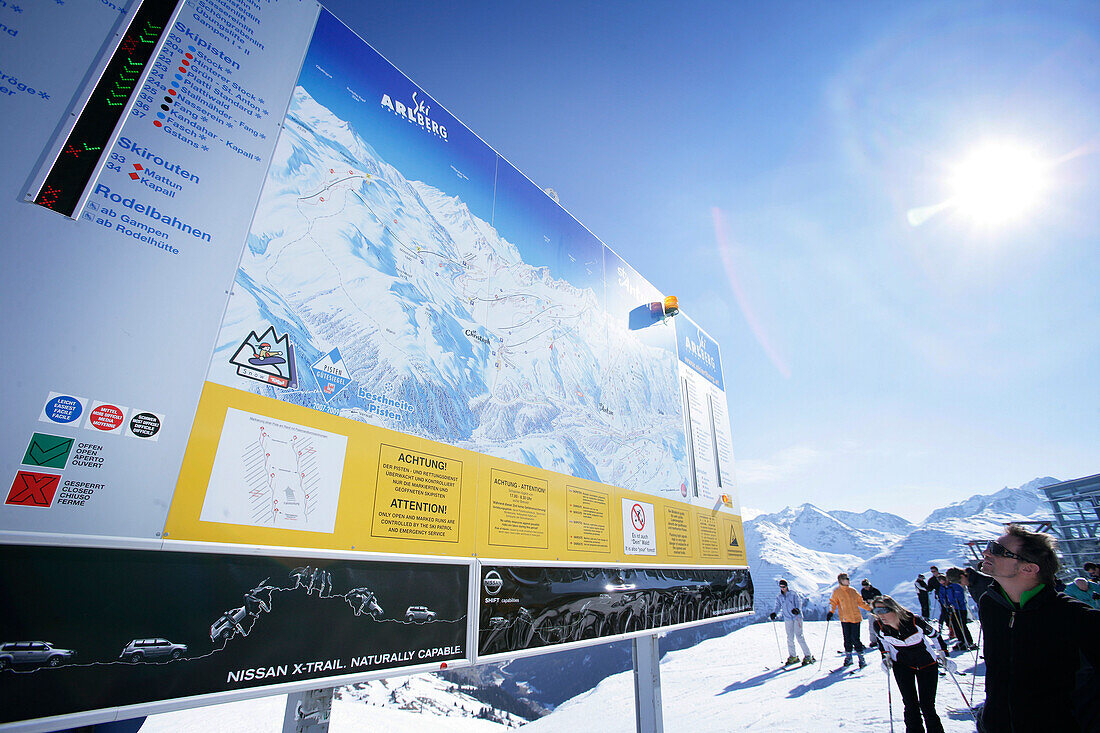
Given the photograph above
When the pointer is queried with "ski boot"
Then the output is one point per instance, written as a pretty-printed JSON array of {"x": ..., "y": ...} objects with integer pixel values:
[
  {"x": 862, "y": 662},
  {"x": 791, "y": 660},
  {"x": 847, "y": 661},
  {"x": 808, "y": 659}
]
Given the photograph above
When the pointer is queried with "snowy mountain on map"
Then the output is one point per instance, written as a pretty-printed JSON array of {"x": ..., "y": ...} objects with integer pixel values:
[
  {"x": 444, "y": 331},
  {"x": 809, "y": 546}
]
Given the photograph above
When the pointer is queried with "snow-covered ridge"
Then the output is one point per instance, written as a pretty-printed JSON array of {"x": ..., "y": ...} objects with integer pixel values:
[
  {"x": 809, "y": 546},
  {"x": 1024, "y": 500}
]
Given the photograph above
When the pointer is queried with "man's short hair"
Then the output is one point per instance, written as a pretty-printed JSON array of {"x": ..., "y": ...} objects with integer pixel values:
[
  {"x": 1039, "y": 548},
  {"x": 843, "y": 576},
  {"x": 933, "y": 567},
  {"x": 953, "y": 574},
  {"x": 1090, "y": 566}
]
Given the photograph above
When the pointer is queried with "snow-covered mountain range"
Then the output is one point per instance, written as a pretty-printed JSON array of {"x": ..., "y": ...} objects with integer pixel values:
[{"x": 809, "y": 546}]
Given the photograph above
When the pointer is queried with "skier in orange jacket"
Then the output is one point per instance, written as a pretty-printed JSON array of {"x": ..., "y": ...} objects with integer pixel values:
[{"x": 847, "y": 599}]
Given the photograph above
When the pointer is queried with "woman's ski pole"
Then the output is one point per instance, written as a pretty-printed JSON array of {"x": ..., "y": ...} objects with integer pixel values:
[
  {"x": 889, "y": 697},
  {"x": 777, "y": 644}
]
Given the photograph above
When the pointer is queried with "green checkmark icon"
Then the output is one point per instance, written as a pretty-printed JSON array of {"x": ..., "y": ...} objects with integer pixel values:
[{"x": 49, "y": 451}]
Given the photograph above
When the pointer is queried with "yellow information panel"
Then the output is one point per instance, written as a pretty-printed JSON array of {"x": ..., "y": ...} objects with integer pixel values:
[
  {"x": 351, "y": 485},
  {"x": 587, "y": 519},
  {"x": 266, "y": 472},
  {"x": 518, "y": 510},
  {"x": 418, "y": 495}
]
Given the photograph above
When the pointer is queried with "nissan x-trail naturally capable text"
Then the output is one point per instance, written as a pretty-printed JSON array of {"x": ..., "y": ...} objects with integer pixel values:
[
  {"x": 141, "y": 649},
  {"x": 37, "y": 653}
]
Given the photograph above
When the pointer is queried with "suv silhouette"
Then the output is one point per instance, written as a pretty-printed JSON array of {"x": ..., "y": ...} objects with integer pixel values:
[
  {"x": 419, "y": 613},
  {"x": 140, "y": 649},
  {"x": 33, "y": 652}
]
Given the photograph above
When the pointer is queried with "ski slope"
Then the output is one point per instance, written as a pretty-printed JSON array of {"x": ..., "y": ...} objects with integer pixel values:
[{"x": 732, "y": 683}]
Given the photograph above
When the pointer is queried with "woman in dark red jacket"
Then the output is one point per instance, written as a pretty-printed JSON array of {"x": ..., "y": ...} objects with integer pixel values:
[{"x": 911, "y": 648}]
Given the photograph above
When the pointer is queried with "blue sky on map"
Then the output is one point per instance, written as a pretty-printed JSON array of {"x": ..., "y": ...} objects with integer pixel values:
[{"x": 764, "y": 162}]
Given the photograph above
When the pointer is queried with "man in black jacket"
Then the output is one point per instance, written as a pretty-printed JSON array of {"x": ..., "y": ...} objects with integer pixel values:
[
  {"x": 921, "y": 586},
  {"x": 869, "y": 593},
  {"x": 1034, "y": 637}
]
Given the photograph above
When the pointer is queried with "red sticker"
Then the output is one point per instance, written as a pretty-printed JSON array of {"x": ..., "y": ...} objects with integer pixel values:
[
  {"x": 33, "y": 489},
  {"x": 106, "y": 418}
]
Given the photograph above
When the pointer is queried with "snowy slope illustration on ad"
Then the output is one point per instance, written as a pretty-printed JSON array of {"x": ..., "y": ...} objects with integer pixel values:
[{"x": 463, "y": 304}]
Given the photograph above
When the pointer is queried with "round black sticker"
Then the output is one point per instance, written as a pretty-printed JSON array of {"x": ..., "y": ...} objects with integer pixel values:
[{"x": 145, "y": 425}]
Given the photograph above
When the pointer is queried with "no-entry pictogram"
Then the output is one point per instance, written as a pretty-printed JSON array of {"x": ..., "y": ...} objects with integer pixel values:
[
  {"x": 33, "y": 489},
  {"x": 639, "y": 528}
]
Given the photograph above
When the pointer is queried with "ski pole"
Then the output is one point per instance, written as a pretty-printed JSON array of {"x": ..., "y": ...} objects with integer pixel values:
[
  {"x": 963, "y": 694},
  {"x": 821, "y": 659},
  {"x": 777, "y": 644},
  {"x": 977, "y": 652},
  {"x": 960, "y": 626},
  {"x": 889, "y": 697}
]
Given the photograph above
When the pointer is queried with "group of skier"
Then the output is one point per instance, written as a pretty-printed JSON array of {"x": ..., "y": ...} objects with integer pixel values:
[{"x": 1035, "y": 637}]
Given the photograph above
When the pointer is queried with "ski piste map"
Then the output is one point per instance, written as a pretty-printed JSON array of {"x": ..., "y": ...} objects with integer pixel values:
[{"x": 463, "y": 304}]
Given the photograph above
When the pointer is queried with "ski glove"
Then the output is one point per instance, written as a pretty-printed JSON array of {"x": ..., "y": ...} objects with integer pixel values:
[
  {"x": 772, "y": 616},
  {"x": 887, "y": 663},
  {"x": 829, "y": 616},
  {"x": 795, "y": 611}
]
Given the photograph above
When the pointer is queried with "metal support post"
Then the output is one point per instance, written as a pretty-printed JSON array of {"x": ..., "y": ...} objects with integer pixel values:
[
  {"x": 647, "y": 685},
  {"x": 308, "y": 711}
]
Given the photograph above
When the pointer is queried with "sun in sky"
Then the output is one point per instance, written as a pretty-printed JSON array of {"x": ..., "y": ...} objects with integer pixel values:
[{"x": 998, "y": 183}]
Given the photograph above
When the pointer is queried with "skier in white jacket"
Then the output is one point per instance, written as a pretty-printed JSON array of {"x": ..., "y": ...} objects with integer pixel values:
[{"x": 789, "y": 603}]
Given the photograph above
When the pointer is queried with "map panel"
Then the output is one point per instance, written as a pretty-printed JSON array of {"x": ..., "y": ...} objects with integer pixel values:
[
  {"x": 544, "y": 312},
  {"x": 415, "y": 280},
  {"x": 639, "y": 387},
  {"x": 383, "y": 263}
]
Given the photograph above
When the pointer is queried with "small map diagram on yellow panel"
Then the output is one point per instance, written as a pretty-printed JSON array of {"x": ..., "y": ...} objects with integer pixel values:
[{"x": 271, "y": 473}]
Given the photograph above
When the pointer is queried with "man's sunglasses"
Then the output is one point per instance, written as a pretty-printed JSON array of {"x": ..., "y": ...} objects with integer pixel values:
[{"x": 996, "y": 549}]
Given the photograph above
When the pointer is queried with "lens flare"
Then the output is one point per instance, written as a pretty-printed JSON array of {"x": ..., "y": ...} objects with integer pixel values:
[{"x": 998, "y": 183}]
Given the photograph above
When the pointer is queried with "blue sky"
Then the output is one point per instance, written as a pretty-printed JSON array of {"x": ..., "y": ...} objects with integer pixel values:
[{"x": 759, "y": 160}]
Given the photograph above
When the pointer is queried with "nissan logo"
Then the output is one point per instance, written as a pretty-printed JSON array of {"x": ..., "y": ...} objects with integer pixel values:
[{"x": 492, "y": 582}]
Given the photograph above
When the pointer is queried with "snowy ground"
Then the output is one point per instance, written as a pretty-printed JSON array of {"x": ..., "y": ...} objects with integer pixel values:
[
  {"x": 732, "y": 684},
  {"x": 726, "y": 684}
]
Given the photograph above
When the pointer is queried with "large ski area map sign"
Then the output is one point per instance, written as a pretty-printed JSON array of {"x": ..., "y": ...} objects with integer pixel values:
[{"x": 332, "y": 389}]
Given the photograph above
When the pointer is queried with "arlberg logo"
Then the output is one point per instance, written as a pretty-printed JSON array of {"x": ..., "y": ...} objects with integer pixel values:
[
  {"x": 492, "y": 582},
  {"x": 699, "y": 348},
  {"x": 416, "y": 114}
]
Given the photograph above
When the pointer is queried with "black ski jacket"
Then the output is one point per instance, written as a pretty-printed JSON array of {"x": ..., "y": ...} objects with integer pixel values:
[
  {"x": 913, "y": 644},
  {"x": 1032, "y": 655}
]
